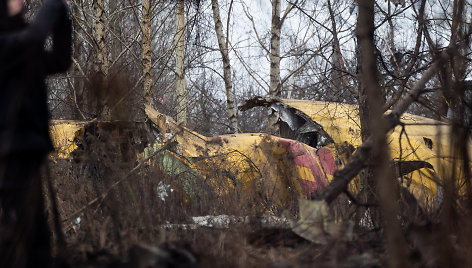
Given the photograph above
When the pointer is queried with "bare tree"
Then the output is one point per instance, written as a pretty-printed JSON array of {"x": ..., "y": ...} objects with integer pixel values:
[
  {"x": 381, "y": 171},
  {"x": 147, "y": 54},
  {"x": 275, "y": 84},
  {"x": 338, "y": 75},
  {"x": 274, "y": 88},
  {"x": 179, "y": 63},
  {"x": 99, "y": 33},
  {"x": 102, "y": 60},
  {"x": 223, "y": 47}
]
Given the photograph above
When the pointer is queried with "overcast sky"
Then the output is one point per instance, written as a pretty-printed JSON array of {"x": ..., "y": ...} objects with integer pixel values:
[{"x": 298, "y": 29}]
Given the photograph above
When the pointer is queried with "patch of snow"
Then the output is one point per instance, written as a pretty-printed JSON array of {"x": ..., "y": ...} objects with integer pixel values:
[{"x": 163, "y": 190}]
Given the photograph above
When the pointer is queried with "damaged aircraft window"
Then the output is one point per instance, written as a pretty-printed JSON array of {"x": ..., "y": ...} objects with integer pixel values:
[{"x": 428, "y": 142}]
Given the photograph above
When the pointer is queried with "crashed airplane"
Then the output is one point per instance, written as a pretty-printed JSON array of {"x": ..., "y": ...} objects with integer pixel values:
[
  {"x": 419, "y": 147},
  {"x": 317, "y": 138}
]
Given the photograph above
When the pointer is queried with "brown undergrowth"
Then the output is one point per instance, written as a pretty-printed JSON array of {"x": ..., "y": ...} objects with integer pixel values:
[
  {"x": 136, "y": 211},
  {"x": 106, "y": 210}
]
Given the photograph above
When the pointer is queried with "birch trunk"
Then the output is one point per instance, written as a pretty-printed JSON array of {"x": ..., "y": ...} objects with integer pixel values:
[
  {"x": 179, "y": 64},
  {"x": 147, "y": 55},
  {"x": 230, "y": 99},
  {"x": 81, "y": 99},
  {"x": 102, "y": 63},
  {"x": 115, "y": 23},
  {"x": 100, "y": 36},
  {"x": 275, "y": 86},
  {"x": 292, "y": 79}
]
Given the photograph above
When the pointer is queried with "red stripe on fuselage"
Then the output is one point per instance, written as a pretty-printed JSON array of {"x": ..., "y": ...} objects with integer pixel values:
[{"x": 304, "y": 158}]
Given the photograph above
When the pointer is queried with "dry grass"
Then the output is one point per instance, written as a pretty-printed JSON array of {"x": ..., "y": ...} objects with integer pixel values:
[{"x": 133, "y": 213}]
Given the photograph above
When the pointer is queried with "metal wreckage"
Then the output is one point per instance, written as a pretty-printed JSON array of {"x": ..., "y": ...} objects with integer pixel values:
[{"x": 317, "y": 138}]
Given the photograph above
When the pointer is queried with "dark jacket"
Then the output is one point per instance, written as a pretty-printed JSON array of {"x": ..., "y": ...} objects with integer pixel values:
[{"x": 24, "y": 65}]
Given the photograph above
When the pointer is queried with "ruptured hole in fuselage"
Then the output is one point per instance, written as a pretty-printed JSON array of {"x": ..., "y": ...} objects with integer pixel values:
[
  {"x": 428, "y": 143},
  {"x": 303, "y": 134},
  {"x": 295, "y": 125}
]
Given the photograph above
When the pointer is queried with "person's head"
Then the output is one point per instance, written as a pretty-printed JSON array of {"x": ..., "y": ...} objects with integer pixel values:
[
  {"x": 11, "y": 15},
  {"x": 10, "y": 8},
  {"x": 14, "y": 7}
]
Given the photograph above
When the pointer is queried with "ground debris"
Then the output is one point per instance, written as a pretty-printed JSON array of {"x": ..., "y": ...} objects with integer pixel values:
[{"x": 226, "y": 221}]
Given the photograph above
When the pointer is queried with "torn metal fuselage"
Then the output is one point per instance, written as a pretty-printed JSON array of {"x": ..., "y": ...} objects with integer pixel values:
[
  {"x": 419, "y": 148},
  {"x": 296, "y": 125}
]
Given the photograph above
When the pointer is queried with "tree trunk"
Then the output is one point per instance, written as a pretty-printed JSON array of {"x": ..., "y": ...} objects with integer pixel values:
[
  {"x": 102, "y": 63},
  {"x": 147, "y": 55},
  {"x": 382, "y": 179},
  {"x": 275, "y": 86},
  {"x": 291, "y": 87},
  {"x": 100, "y": 36},
  {"x": 230, "y": 99},
  {"x": 338, "y": 77},
  {"x": 116, "y": 27},
  {"x": 179, "y": 64},
  {"x": 368, "y": 182},
  {"x": 81, "y": 103}
]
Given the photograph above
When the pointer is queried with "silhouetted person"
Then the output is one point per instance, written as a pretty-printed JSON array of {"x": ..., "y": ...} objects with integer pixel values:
[{"x": 24, "y": 135}]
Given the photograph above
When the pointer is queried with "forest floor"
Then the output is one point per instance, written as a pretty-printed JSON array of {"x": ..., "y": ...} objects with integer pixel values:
[
  {"x": 235, "y": 247},
  {"x": 134, "y": 225}
]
